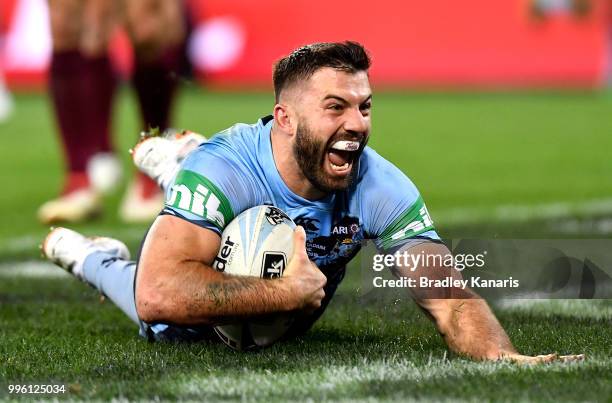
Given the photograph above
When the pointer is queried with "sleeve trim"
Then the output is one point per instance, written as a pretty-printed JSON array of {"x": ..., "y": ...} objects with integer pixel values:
[{"x": 414, "y": 221}]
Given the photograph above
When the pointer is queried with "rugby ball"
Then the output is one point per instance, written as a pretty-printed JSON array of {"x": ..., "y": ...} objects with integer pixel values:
[{"x": 258, "y": 242}]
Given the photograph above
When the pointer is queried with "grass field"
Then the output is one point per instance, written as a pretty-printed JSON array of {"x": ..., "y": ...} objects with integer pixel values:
[{"x": 488, "y": 165}]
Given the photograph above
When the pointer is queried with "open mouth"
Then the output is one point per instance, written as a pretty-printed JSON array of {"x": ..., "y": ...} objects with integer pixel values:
[{"x": 341, "y": 155}]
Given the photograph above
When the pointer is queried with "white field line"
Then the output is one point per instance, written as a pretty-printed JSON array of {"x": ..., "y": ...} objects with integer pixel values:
[
  {"x": 601, "y": 226},
  {"x": 502, "y": 213},
  {"x": 19, "y": 244},
  {"x": 31, "y": 242},
  {"x": 578, "y": 308},
  {"x": 339, "y": 379},
  {"x": 521, "y": 213},
  {"x": 31, "y": 269}
]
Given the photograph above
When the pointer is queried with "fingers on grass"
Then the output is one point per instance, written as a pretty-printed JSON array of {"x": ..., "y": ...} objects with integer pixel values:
[
  {"x": 572, "y": 358},
  {"x": 544, "y": 358}
]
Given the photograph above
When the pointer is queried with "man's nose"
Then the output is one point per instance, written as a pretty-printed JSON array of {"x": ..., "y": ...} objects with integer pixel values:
[{"x": 356, "y": 122}]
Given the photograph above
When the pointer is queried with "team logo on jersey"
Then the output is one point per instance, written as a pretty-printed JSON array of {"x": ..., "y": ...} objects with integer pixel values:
[
  {"x": 309, "y": 224},
  {"x": 273, "y": 265},
  {"x": 275, "y": 216}
]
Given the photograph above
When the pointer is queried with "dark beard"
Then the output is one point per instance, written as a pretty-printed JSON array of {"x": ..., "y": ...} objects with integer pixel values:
[{"x": 310, "y": 155}]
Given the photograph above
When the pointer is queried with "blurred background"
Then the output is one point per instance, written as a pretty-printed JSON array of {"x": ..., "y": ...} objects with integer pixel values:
[
  {"x": 499, "y": 111},
  {"x": 432, "y": 44}
]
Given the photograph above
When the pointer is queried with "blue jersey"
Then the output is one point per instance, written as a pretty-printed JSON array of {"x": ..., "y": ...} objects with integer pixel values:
[{"x": 235, "y": 170}]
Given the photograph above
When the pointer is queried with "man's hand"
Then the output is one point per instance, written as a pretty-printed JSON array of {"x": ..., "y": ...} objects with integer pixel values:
[
  {"x": 176, "y": 283},
  {"x": 541, "y": 359},
  {"x": 466, "y": 322},
  {"x": 305, "y": 278}
]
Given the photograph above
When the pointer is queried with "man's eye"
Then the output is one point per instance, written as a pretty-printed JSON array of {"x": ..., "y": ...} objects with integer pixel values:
[
  {"x": 366, "y": 106},
  {"x": 336, "y": 107}
]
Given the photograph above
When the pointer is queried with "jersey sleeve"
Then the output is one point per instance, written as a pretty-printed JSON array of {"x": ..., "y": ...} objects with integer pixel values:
[
  {"x": 393, "y": 210},
  {"x": 210, "y": 188}
]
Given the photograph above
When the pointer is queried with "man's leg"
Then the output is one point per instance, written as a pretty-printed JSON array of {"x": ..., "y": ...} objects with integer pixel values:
[
  {"x": 157, "y": 31},
  {"x": 113, "y": 277},
  {"x": 6, "y": 100},
  {"x": 105, "y": 264},
  {"x": 102, "y": 262},
  {"x": 81, "y": 85}
]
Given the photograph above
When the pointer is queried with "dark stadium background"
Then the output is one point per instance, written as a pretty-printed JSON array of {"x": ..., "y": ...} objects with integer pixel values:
[
  {"x": 431, "y": 44},
  {"x": 500, "y": 112}
]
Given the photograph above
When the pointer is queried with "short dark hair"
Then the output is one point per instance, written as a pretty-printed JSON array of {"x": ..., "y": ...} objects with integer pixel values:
[{"x": 303, "y": 62}]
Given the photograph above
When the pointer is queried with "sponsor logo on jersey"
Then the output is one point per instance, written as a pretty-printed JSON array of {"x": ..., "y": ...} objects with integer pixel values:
[
  {"x": 273, "y": 265},
  {"x": 346, "y": 228},
  {"x": 202, "y": 202},
  {"x": 196, "y": 194},
  {"x": 340, "y": 231},
  {"x": 422, "y": 222}
]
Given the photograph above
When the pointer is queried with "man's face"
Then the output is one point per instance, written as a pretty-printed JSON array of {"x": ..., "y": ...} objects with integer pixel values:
[{"x": 333, "y": 110}]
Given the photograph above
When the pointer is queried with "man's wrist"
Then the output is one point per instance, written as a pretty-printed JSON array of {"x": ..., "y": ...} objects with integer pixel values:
[{"x": 290, "y": 290}]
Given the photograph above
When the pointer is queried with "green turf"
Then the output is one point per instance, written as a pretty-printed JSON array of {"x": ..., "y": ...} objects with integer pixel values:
[{"x": 463, "y": 151}]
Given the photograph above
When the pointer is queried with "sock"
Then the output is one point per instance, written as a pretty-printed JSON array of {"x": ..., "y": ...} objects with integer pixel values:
[
  {"x": 103, "y": 84},
  {"x": 82, "y": 90},
  {"x": 113, "y": 277},
  {"x": 75, "y": 180},
  {"x": 155, "y": 82}
]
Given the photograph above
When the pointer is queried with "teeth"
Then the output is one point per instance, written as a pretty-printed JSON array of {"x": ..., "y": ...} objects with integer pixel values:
[
  {"x": 339, "y": 167},
  {"x": 346, "y": 145}
]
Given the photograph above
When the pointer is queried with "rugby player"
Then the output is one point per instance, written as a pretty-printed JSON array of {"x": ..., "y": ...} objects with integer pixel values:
[
  {"x": 82, "y": 84},
  {"x": 310, "y": 159}
]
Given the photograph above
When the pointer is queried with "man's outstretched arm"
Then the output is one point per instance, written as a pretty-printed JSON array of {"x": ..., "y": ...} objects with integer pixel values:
[
  {"x": 176, "y": 283},
  {"x": 466, "y": 322}
]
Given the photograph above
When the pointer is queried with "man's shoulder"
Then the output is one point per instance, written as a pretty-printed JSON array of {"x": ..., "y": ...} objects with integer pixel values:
[
  {"x": 236, "y": 145},
  {"x": 239, "y": 138},
  {"x": 379, "y": 181},
  {"x": 220, "y": 179},
  {"x": 391, "y": 206},
  {"x": 375, "y": 169}
]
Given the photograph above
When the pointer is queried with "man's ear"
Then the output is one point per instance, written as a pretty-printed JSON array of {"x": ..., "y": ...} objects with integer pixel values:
[{"x": 283, "y": 118}]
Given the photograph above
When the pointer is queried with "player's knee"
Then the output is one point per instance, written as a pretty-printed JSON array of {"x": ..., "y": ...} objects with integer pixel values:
[
  {"x": 66, "y": 24},
  {"x": 149, "y": 43},
  {"x": 155, "y": 28}
]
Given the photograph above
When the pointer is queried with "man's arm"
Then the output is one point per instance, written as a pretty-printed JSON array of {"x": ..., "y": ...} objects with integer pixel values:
[
  {"x": 176, "y": 283},
  {"x": 466, "y": 322}
]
